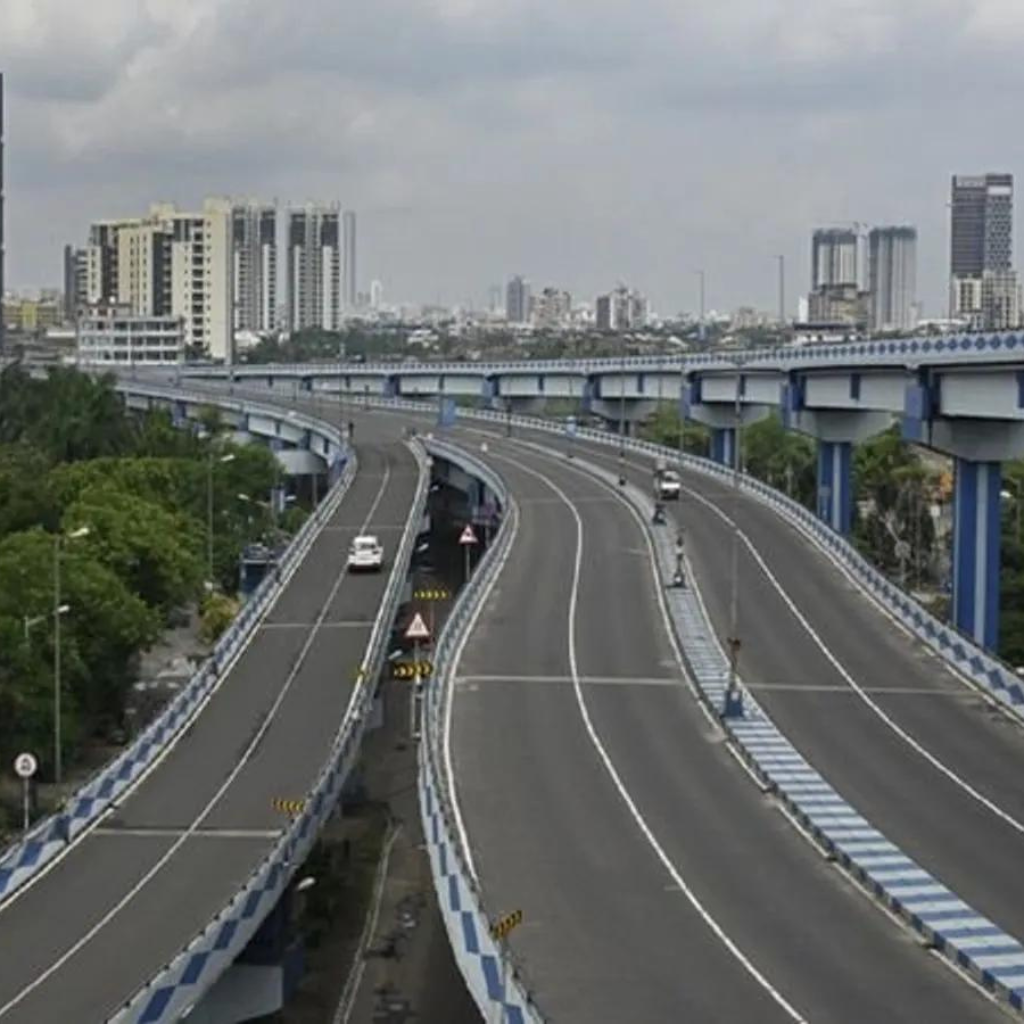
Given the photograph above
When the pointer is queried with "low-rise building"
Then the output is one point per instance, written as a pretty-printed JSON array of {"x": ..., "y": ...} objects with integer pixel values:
[{"x": 119, "y": 336}]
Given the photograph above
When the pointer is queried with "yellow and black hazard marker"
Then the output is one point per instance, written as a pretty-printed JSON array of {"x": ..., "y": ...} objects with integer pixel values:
[
  {"x": 410, "y": 669},
  {"x": 505, "y": 924},
  {"x": 292, "y": 807},
  {"x": 431, "y": 595}
]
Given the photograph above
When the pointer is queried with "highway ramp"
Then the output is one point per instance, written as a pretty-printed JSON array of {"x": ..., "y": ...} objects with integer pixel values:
[{"x": 79, "y": 941}]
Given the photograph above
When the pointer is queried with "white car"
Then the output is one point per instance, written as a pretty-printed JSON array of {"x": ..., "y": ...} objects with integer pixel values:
[
  {"x": 366, "y": 554},
  {"x": 668, "y": 485}
]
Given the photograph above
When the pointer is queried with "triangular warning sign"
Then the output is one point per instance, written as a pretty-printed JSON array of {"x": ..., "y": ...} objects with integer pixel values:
[
  {"x": 468, "y": 536},
  {"x": 417, "y": 629}
]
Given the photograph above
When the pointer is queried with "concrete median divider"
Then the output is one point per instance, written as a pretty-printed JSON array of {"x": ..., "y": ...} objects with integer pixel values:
[{"x": 495, "y": 982}]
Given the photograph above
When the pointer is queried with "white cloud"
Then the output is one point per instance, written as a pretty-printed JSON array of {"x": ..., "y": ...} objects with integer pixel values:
[{"x": 578, "y": 141}]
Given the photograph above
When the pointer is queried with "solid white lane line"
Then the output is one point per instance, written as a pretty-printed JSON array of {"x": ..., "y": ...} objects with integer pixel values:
[
  {"x": 717, "y": 930},
  {"x": 85, "y": 939},
  {"x": 919, "y": 748}
]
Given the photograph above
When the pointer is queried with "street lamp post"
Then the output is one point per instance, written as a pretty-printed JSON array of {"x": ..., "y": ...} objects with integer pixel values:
[
  {"x": 622, "y": 416},
  {"x": 733, "y": 703},
  {"x": 223, "y": 460},
  {"x": 59, "y": 609}
]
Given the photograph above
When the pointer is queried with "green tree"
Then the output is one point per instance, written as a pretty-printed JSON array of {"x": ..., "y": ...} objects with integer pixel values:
[
  {"x": 781, "y": 458},
  {"x": 663, "y": 428},
  {"x": 105, "y": 626},
  {"x": 155, "y": 551}
]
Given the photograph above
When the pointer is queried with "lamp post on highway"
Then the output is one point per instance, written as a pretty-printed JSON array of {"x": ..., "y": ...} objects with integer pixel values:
[
  {"x": 733, "y": 707},
  {"x": 622, "y": 415},
  {"x": 223, "y": 460},
  {"x": 59, "y": 609}
]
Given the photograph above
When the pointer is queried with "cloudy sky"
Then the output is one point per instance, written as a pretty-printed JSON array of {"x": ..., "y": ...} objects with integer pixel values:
[{"x": 579, "y": 142}]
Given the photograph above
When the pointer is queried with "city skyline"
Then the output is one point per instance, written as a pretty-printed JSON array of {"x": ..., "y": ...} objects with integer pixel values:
[{"x": 124, "y": 105}]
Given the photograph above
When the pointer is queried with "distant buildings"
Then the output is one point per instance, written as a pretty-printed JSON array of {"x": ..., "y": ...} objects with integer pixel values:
[
  {"x": 984, "y": 289},
  {"x": 621, "y": 310},
  {"x": 517, "y": 301},
  {"x": 376, "y": 296},
  {"x": 892, "y": 279},
  {"x": 75, "y": 280},
  {"x": 167, "y": 264},
  {"x": 350, "y": 293},
  {"x": 861, "y": 283},
  {"x": 552, "y": 309},
  {"x": 314, "y": 268},
  {"x": 254, "y": 267},
  {"x": 116, "y": 337},
  {"x": 837, "y": 295}
]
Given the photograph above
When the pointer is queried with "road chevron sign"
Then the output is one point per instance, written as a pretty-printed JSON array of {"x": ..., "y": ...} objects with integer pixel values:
[
  {"x": 505, "y": 924},
  {"x": 468, "y": 536},
  {"x": 417, "y": 629}
]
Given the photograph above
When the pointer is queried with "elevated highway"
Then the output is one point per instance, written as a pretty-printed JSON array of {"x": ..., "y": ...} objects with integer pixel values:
[
  {"x": 85, "y": 934},
  {"x": 532, "y": 792},
  {"x": 656, "y": 883}
]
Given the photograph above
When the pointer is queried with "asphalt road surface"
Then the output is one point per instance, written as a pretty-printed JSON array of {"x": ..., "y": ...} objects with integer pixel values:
[
  {"x": 906, "y": 742},
  {"x": 598, "y": 798},
  {"x": 88, "y": 933}
]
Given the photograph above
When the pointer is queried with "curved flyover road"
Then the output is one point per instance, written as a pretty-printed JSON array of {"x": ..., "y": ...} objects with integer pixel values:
[
  {"x": 916, "y": 751},
  {"x": 657, "y": 883},
  {"x": 79, "y": 941}
]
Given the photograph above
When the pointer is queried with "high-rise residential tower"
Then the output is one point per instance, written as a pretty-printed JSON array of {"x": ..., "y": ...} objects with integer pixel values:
[
  {"x": 168, "y": 263},
  {"x": 983, "y": 283},
  {"x": 892, "y": 278},
  {"x": 75, "y": 275},
  {"x": 517, "y": 301},
  {"x": 314, "y": 268},
  {"x": 835, "y": 258},
  {"x": 350, "y": 286},
  {"x": 254, "y": 266}
]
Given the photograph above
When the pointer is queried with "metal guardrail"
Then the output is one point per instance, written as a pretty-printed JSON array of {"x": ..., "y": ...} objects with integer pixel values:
[
  {"x": 486, "y": 964},
  {"x": 181, "y": 982},
  {"x": 972, "y": 349},
  {"x": 21, "y": 861}
]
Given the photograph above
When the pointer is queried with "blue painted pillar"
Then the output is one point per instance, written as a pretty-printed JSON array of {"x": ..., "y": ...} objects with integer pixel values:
[
  {"x": 723, "y": 445},
  {"x": 835, "y": 485},
  {"x": 976, "y": 544}
]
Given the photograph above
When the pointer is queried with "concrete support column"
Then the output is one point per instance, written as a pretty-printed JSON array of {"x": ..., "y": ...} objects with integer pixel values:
[
  {"x": 976, "y": 543},
  {"x": 723, "y": 445},
  {"x": 835, "y": 485}
]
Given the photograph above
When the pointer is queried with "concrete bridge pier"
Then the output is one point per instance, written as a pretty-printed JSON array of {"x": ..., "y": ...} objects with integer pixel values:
[
  {"x": 978, "y": 447},
  {"x": 837, "y": 431}
]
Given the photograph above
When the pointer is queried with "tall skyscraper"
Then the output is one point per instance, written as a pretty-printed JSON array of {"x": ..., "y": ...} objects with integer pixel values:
[
  {"x": 892, "y": 278},
  {"x": 837, "y": 295},
  {"x": 350, "y": 293},
  {"x": 254, "y": 266},
  {"x": 517, "y": 301},
  {"x": 314, "y": 268},
  {"x": 835, "y": 258},
  {"x": 2, "y": 250},
  {"x": 983, "y": 282},
  {"x": 75, "y": 277}
]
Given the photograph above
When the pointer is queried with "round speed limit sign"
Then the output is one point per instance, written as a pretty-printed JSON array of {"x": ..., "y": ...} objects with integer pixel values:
[{"x": 25, "y": 766}]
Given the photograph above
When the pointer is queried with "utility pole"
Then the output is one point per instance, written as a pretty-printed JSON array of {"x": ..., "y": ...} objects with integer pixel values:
[
  {"x": 701, "y": 277},
  {"x": 733, "y": 707},
  {"x": 622, "y": 416},
  {"x": 782, "y": 291}
]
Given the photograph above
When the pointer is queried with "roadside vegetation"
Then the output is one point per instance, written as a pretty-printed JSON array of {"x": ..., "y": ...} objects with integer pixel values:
[{"x": 124, "y": 499}]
